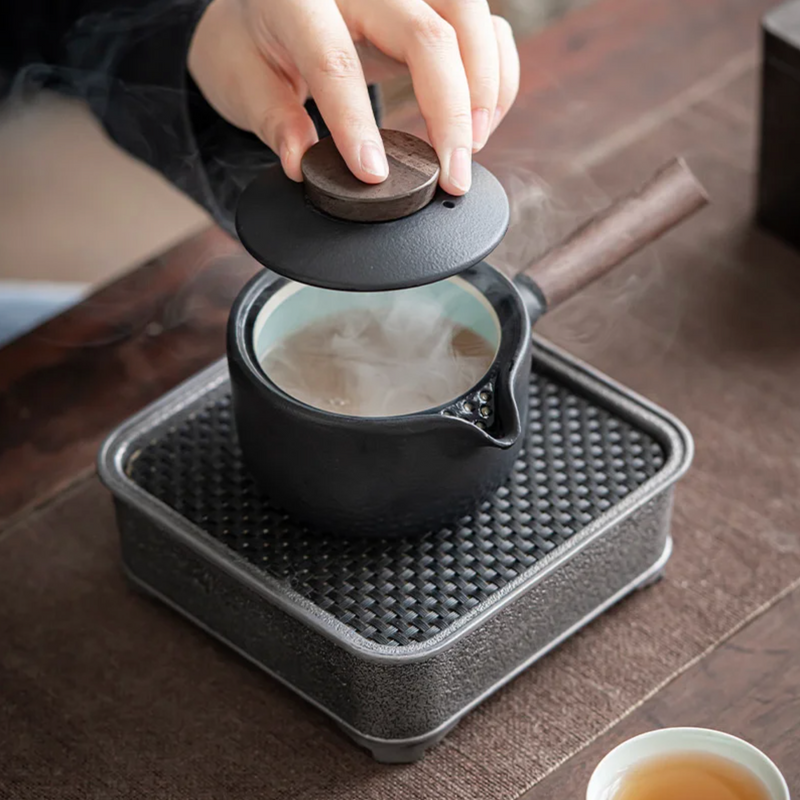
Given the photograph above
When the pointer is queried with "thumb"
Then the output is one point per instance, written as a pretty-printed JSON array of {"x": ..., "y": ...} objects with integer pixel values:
[
  {"x": 239, "y": 83},
  {"x": 277, "y": 116}
]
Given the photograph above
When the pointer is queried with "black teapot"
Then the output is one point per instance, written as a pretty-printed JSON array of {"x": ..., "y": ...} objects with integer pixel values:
[{"x": 333, "y": 246}]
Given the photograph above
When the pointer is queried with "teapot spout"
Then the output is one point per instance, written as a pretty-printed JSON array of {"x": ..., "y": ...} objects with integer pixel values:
[
  {"x": 495, "y": 411},
  {"x": 504, "y": 439},
  {"x": 508, "y": 424}
]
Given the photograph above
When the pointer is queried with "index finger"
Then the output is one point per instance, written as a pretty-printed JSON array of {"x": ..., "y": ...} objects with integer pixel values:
[
  {"x": 412, "y": 32},
  {"x": 478, "y": 45},
  {"x": 326, "y": 57}
]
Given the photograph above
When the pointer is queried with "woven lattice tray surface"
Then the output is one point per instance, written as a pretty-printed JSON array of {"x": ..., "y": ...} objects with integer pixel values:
[{"x": 579, "y": 459}]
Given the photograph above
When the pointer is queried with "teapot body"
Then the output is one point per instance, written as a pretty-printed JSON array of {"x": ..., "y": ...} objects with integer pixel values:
[{"x": 379, "y": 476}]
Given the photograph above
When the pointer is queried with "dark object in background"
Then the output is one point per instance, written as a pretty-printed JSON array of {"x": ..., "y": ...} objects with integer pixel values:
[{"x": 779, "y": 159}]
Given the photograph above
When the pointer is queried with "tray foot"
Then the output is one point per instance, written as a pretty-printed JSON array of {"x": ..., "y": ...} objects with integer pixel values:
[{"x": 401, "y": 751}]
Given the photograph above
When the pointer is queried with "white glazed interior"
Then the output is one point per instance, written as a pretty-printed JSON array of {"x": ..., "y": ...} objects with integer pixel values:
[
  {"x": 606, "y": 779},
  {"x": 296, "y": 305}
]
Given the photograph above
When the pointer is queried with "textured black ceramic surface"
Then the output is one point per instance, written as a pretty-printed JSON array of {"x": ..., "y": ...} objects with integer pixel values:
[
  {"x": 579, "y": 459},
  {"x": 284, "y": 232},
  {"x": 382, "y": 476}
]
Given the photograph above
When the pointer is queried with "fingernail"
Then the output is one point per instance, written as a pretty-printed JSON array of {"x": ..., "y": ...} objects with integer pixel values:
[
  {"x": 460, "y": 172},
  {"x": 373, "y": 160},
  {"x": 480, "y": 127},
  {"x": 498, "y": 115}
]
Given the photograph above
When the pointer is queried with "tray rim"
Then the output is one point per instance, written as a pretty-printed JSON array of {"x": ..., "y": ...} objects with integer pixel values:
[
  {"x": 178, "y": 401},
  {"x": 381, "y": 746}
]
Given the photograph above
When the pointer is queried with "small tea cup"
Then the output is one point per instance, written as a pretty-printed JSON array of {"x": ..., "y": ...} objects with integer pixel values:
[{"x": 609, "y": 773}]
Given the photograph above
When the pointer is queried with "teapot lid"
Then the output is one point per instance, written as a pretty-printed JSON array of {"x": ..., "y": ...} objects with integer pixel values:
[{"x": 335, "y": 232}]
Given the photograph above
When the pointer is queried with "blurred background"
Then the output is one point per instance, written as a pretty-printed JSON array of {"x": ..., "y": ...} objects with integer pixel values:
[{"x": 75, "y": 211}]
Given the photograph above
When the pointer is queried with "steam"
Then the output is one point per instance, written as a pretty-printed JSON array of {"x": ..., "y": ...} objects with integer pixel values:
[
  {"x": 128, "y": 66},
  {"x": 380, "y": 362},
  {"x": 550, "y": 197}
]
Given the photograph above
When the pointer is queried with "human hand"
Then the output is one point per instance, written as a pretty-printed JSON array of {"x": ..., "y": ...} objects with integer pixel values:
[{"x": 257, "y": 61}]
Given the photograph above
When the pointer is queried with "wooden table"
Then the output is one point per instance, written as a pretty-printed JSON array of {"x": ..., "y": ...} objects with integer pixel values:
[{"x": 601, "y": 93}]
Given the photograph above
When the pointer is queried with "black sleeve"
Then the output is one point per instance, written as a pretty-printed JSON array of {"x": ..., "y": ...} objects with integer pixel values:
[{"x": 128, "y": 61}]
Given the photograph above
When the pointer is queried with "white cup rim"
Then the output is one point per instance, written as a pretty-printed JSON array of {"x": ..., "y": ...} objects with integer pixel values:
[{"x": 776, "y": 783}]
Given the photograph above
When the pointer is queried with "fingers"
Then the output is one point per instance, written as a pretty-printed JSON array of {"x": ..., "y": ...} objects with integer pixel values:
[
  {"x": 245, "y": 89},
  {"x": 412, "y": 32},
  {"x": 478, "y": 46},
  {"x": 277, "y": 116},
  {"x": 509, "y": 69},
  {"x": 323, "y": 50},
  {"x": 255, "y": 60}
]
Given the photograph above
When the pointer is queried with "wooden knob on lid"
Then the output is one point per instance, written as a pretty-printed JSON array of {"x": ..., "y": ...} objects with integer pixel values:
[{"x": 411, "y": 185}]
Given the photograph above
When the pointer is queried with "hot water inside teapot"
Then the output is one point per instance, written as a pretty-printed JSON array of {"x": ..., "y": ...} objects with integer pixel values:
[{"x": 377, "y": 354}]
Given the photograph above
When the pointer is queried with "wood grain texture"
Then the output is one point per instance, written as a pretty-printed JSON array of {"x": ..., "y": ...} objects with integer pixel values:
[
  {"x": 332, "y": 187},
  {"x": 66, "y": 384}
]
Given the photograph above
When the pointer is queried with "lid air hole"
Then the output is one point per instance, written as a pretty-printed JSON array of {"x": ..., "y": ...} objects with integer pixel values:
[{"x": 449, "y": 204}]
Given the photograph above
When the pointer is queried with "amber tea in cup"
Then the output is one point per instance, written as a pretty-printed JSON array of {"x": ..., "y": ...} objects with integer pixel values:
[
  {"x": 686, "y": 764},
  {"x": 690, "y": 776}
]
